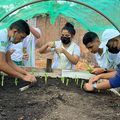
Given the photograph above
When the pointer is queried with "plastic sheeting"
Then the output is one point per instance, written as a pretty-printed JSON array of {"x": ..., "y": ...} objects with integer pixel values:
[{"x": 93, "y": 15}]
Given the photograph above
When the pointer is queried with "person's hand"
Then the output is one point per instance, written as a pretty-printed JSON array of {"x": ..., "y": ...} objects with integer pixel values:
[
  {"x": 97, "y": 71},
  {"x": 29, "y": 78},
  {"x": 94, "y": 79},
  {"x": 32, "y": 77},
  {"x": 51, "y": 44},
  {"x": 25, "y": 56},
  {"x": 59, "y": 50},
  {"x": 88, "y": 87}
]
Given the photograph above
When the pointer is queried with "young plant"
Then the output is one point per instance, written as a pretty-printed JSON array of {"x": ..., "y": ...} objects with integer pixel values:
[
  {"x": 62, "y": 80},
  {"x": 67, "y": 82},
  {"x": 81, "y": 85},
  {"x": 16, "y": 81},
  {"x": 77, "y": 80},
  {"x": 89, "y": 68},
  {"x": 2, "y": 82},
  {"x": 46, "y": 78}
]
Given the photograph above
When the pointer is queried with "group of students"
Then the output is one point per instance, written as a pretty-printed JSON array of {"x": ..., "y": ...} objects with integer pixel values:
[
  {"x": 66, "y": 53},
  {"x": 108, "y": 57}
]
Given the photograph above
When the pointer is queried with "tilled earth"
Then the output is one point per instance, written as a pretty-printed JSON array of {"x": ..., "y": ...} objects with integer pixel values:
[{"x": 55, "y": 101}]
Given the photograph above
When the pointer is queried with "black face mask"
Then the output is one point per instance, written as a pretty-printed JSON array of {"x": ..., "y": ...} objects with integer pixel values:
[
  {"x": 65, "y": 40},
  {"x": 113, "y": 50}
]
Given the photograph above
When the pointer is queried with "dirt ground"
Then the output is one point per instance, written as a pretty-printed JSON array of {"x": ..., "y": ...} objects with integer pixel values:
[{"x": 55, "y": 101}]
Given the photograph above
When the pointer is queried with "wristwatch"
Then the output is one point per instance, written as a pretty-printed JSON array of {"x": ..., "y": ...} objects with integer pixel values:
[{"x": 94, "y": 86}]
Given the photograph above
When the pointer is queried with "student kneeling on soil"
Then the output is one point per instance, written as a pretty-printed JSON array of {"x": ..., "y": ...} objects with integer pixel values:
[
  {"x": 15, "y": 34},
  {"x": 104, "y": 58},
  {"x": 110, "y": 79},
  {"x": 66, "y": 52}
]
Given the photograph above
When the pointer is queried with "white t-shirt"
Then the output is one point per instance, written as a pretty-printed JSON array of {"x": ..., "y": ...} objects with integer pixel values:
[
  {"x": 18, "y": 53},
  {"x": 4, "y": 41},
  {"x": 29, "y": 43},
  {"x": 107, "y": 59},
  {"x": 61, "y": 61}
]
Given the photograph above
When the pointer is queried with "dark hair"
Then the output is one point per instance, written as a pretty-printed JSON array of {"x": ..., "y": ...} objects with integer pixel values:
[
  {"x": 21, "y": 26},
  {"x": 68, "y": 26},
  {"x": 89, "y": 37}
]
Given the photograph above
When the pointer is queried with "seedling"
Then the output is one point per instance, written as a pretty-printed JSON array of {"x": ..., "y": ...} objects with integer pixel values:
[
  {"x": 63, "y": 79},
  {"x": 89, "y": 68},
  {"x": 16, "y": 81},
  {"x": 67, "y": 82},
  {"x": 81, "y": 85},
  {"x": 2, "y": 82},
  {"x": 46, "y": 77},
  {"x": 77, "y": 81}
]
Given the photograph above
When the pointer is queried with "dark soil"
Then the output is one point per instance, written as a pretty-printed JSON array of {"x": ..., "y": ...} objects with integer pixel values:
[{"x": 55, "y": 101}]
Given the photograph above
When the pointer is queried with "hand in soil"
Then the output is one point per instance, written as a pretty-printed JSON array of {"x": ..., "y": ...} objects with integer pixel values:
[
  {"x": 88, "y": 87},
  {"x": 94, "y": 79},
  {"x": 30, "y": 78}
]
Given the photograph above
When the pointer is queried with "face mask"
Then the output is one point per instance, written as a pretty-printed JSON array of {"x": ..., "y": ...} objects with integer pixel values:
[
  {"x": 12, "y": 39},
  {"x": 113, "y": 50},
  {"x": 65, "y": 40}
]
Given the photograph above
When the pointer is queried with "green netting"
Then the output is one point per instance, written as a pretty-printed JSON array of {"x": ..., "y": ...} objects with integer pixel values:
[{"x": 93, "y": 15}]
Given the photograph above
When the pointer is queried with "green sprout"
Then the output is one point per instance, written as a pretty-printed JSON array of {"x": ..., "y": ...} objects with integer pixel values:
[
  {"x": 81, "y": 85},
  {"x": 62, "y": 79},
  {"x": 16, "y": 81},
  {"x": 77, "y": 81},
  {"x": 89, "y": 68},
  {"x": 33, "y": 71},
  {"x": 46, "y": 77},
  {"x": 2, "y": 82},
  {"x": 67, "y": 82}
]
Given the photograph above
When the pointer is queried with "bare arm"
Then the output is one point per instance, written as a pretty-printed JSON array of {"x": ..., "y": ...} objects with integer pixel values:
[
  {"x": 46, "y": 48},
  {"x": 108, "y": 75},
  {"x": 72, "y": 58},
  {"x": 101, "y": 70},
  {"x": 100, "y": 86},
  {"x": 103, "y": 85},
  {"x": 14, "y": 66},
  {"x": 102, "y": 76},
  {"x": 35, "y": 32},
  {"x": 5, "y": 67}
]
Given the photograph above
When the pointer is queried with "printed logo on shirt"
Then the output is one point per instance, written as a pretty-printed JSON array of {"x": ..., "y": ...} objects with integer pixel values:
[{"x": 3, "y": 43}]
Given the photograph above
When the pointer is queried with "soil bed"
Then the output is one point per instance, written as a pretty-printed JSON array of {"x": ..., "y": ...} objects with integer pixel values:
[{"x": 56, "y": 101}]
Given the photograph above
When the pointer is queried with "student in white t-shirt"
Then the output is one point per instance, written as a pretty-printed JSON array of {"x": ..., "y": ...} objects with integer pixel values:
[
  {"x": 110, "y": 79},
  {"x": 66, "y": 52},
  {"x": 28, "y": 44},
  {"x": 14, "y": 34},
  {"x": 104, "y": 58}
]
